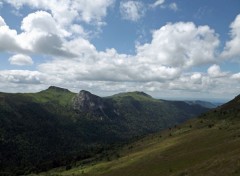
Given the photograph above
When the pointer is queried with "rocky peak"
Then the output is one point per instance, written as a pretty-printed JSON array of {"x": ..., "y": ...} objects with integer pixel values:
[{"x": 84, "y": 101}]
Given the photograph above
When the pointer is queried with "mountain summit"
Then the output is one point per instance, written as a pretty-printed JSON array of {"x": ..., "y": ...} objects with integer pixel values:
[{"x": 58, "y": 89}]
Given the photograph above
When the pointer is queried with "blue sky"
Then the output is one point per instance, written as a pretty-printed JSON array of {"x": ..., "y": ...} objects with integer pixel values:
[{"x": 173, "y": 49}]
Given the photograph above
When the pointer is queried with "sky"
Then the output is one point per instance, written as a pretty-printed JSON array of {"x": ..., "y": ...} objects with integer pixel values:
[{"x": 171, "y": 49}]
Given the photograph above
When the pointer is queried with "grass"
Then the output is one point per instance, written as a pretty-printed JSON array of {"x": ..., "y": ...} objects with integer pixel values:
[
  {"x": 194, "y": 148},
  {"x": 51, "y": 95}
]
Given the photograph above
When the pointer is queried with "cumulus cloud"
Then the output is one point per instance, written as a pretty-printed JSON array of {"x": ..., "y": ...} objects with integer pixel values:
[
  {"x": 65, "y": 12},
  {"x": 236, "y": 76},
  {"x": 162, "y": 64},
  {"x": 9, "y": 38},
  {"x": 111, "y": 66},
  {"x": 92, "y": 10},
  {"x": 132, "y": 10},
  {"x": 196, "y": 78},
  {"x": 40, "y": 35},
  {"x": 232, "y": 48},
  {"x": 170, "y": 46},
  {"x": 21, "y": 76},
  {"x": 20, "y": 59},
  {"x": 40, "y": 21},
  {"x": 215, "y": 71},
  {"x": 79, "y": 31},
  {"x": 164, "y": 59},
  {"x": 43, "y": 35}
]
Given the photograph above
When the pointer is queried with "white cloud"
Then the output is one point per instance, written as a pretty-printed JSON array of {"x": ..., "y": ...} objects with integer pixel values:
[
  {"x": 65, "y": 12},
  {"x": 157, "y": 3},
  {"x": 196, "y": 78},
  {"x": 21, "y": 76},
  {"x": 232, "y": 49},
  {"x": 163, "y": 60},
  {"x": 47, "y": 32},
  {"x": 40, "y": 35},
  {"x": 2, "y": 22},
  {"x": 171, "y": 43},
  {"x": 111, "y": 66},
  {"x": 40, "y": 21},
  {"x": 20, "y": 59},
  {"x": 132, "y": 10},
  {"x": 173, "y": 6},
  {"x": 92, "y": 10},
  {"x": 161, "y": 3},
  {"x": 156, "y": 66},
  {"x": 79, "y": 31},
  {"x": 9, "y": 38},
  {"x": 236, "y": 76},
  {"x": 215, "y": 71},
  {"x": 203, "y": 86},
  {"x": 162, "y": 65}
]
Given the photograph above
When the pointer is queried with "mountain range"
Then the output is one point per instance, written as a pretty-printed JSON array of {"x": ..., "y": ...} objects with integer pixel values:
[
  {"x": 56, "y": 127},
  {"x": 207, "y": 145}
]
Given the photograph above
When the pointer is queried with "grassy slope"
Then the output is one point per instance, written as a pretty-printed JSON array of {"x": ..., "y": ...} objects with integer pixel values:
[
  {"x": 192, "y": 149},
  {"x": 53, "y": 96},
  {"x": 60, "y": 97}
]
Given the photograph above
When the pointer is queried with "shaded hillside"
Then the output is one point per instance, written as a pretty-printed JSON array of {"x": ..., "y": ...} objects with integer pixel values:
[
  {"x": 55, "y": 127},
  {"x": 208, "y": 145}
]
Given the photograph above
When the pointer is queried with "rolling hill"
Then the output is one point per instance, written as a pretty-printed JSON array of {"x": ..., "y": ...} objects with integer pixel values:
[
  {"x": 55, "y": 127},
  {"x": 208, "y": 145}
]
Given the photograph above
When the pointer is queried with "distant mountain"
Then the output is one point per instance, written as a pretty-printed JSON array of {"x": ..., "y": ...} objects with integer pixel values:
[
  {"x": 205, "y": 104},
  {"x": 39, "y": 131},
  {"x": 207, "y": 145}
]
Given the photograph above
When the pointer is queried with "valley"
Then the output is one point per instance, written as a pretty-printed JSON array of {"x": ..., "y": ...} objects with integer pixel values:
[{"x": 208, "y": 145}]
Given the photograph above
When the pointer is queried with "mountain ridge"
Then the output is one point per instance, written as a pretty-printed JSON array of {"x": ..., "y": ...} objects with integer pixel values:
[
  {"x": 207, "y": 145},
  {"x": 67, "y": 127}
]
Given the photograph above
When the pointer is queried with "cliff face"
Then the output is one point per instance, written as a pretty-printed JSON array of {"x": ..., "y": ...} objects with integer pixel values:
[{"x": 87, "y": 102}]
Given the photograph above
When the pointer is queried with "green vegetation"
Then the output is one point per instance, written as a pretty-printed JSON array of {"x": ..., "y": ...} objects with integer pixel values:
[
  {"x": 140, "y": 96},
  {"x": 208, "y": 145},
  {"x": 41, "y": 131},
  {"x": 53, "y": 95},
  {"x": 197, "y": 151}
]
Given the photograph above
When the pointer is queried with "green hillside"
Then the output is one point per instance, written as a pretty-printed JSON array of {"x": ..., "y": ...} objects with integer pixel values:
[
  {"x": 55, "y": 127},
  {"x": 54, "y": 95},
  {"x": 208, "y": 145}
]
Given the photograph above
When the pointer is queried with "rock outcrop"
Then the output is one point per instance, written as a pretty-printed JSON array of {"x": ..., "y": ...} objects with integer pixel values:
[{"x": 87, "y": 102}]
